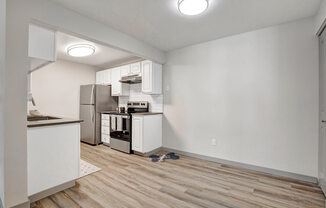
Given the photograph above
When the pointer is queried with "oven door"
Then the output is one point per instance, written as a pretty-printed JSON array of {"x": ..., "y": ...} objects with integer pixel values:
[{"x": 120, "y": 127}]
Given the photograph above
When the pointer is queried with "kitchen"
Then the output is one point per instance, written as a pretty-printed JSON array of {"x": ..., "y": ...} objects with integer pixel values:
[
  {"x": 120, "y": 107},
  {"x": 233, "y": 92}
]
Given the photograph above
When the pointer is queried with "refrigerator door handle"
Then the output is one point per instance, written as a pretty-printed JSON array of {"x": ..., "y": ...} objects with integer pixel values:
[
  {"x": 92, "y": 95},
  {"x": 93, "y": 116}
]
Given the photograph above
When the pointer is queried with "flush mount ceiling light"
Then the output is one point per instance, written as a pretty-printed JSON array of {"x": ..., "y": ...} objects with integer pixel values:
[
  {"x": 81, "y": 50},
  {"x": 192, "y": 7}
]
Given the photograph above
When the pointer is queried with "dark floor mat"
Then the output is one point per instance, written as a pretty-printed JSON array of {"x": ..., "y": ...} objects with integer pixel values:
[{"x": 157, "y": 158}]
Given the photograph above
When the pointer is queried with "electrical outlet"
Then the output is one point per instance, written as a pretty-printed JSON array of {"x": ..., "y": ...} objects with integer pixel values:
[{"x": 213, "y": 142}]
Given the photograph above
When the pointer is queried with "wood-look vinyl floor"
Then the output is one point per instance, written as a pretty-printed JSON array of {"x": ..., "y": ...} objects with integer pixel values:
[{"x": 131, "y": 181}]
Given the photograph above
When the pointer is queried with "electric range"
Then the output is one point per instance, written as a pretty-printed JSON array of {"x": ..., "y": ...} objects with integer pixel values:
[{"x": 121, "y": 126}]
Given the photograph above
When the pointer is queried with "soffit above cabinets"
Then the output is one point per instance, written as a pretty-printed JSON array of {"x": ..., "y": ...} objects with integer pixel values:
[{"x": 104, "y": 56}]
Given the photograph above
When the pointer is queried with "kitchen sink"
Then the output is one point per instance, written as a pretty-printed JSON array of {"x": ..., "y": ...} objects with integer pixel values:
[{"x": 40, "y": 118}]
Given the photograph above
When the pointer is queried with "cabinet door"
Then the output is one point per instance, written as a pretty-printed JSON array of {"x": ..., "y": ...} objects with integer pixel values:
[
  {"x": 115, "y": 74},
  {"x": 147, "y": 77},
  {"x": 135, "y": 68},
  {"x": 137, "y": 134},
  {"x": 107, "y": 77},
  {"x": 98, "y": 78},
  {"x": 41, "y": 43},
  {"x": 116, "y": 88},
  {"x": 125, "y": 70},
  {"x": 116, "y": 85}
]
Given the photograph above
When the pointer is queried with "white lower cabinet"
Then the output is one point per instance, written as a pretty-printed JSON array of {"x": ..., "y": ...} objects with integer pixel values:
[
  {"x": 105, "y": 129},
  {"x": 53, "y": 156},
  {"x": 146, "y": 132},
  {"x": 137, "y": 130}
]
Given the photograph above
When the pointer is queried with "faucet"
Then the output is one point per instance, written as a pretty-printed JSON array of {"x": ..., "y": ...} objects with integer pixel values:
[{"x": 31, "y": 99}]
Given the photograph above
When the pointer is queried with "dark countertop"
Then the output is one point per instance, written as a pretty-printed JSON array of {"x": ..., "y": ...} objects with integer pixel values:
[
  {"x": 146, "y": 114},
  {"x": 139, "y": 114},
  {"x": 112, "y": 112},
  {"x": 60, "y": 121}
]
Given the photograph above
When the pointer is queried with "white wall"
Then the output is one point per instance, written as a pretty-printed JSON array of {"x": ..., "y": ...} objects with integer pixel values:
[
  {"x": 56, "y": 87},
  {"x": 2, "y": 70},
  {"x": 155, "y": 101},
  {"x": 256, "y": 93},
  {"x": 17, "y": 65},
  {"x": 19, "y": 15},
  {"x": 320, "y": 17}
]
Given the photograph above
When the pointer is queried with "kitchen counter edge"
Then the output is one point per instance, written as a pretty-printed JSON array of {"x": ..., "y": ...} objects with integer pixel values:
[
  {"x": 145, "y": 114},
  {"x": 136, "y": 114},
  {"x": 54, "y": 122}
]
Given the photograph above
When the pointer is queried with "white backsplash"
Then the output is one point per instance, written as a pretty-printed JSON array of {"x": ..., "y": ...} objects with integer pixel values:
[{"x": 155, "y": 101}]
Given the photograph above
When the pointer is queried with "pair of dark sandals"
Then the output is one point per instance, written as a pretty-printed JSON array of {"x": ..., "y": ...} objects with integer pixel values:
[{"x": 161, "y": 158}]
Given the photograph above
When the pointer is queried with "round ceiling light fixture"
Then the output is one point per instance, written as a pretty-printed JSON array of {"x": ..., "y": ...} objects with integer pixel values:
[
  {"x": 81, "y": 50},
  {"x": 192, "y": 7}
]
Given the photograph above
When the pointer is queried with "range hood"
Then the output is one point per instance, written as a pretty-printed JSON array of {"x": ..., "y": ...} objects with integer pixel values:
[{"x": 132, "y": 79}]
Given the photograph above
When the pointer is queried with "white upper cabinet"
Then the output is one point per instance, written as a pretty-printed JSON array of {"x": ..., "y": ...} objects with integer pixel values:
[
  {"x": 98, "y": 77},
  {"x": 118, "y": 88},
  {"x": 131, "y": 69},
  {"x": 135, "y": 68},
  {"x": 103, "y": 77},
  {"x": 125, "y": 70},
  {"x": 115, "y": 74},
  {"x": 41, "y": 43},
  {"x": 107, "y": 77},
  {"x": 151, "y": 77}
]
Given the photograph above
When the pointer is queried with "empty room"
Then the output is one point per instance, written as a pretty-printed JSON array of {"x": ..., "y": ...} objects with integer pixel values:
[{"x": 162, "y": 104}]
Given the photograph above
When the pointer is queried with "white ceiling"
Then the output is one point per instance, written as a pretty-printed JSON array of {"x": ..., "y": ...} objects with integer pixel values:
[
  {"x": 104, "y": 56},
  {"x": 159, "y": 23}
]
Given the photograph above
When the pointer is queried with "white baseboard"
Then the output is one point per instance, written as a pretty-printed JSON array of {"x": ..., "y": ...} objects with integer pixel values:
[
  {"x": 295, "y": 176},
  {"x": 51, "y": 191},
  {"x": 23, "y": 205},
  {"x": 322, "y": 184}
]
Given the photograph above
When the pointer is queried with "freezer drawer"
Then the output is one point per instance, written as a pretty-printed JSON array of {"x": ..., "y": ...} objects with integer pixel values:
[{"x": 87, "y": 114}]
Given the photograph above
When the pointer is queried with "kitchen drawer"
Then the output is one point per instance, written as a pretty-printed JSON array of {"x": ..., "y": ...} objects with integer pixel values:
[
  {"x": 105, "y": 122},
  {"x": 106, "y": 138},
  {"x": 105, "y": 130},
  {"x": 105, "y": 117}
]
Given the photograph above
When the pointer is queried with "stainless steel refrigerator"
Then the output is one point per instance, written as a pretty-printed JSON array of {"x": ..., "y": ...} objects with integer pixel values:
[{"x": 93, "y": 100}]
